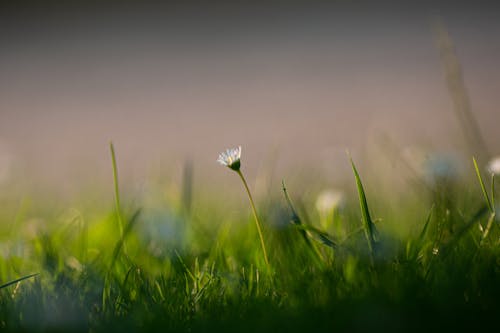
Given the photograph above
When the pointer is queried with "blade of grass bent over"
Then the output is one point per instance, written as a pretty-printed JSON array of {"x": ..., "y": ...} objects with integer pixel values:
[
  {"x": 295, "y": 217},
  {"x": 324, "y": 237},
  {"x": 302, "y": 227}
]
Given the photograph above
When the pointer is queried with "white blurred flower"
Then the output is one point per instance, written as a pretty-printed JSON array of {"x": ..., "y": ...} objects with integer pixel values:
[
  {"x": 328, "y": 203},
  {"x": 328, "y": 200},
  {"x": 441, "y": 167},
  {"x": 493, "y": 166},
  {"x": 231, "y": 158}
]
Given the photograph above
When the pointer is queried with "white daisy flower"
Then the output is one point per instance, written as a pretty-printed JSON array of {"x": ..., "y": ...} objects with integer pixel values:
[
  {"x": 494, "y": 166},
  {"x": 231, "y": 158}
]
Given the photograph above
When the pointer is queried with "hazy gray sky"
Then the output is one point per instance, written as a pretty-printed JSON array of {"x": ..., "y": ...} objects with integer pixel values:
[{"x": 170, "y": 82}]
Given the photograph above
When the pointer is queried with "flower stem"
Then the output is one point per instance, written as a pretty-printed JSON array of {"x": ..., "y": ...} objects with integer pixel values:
[{"x": 257, "y": 223}]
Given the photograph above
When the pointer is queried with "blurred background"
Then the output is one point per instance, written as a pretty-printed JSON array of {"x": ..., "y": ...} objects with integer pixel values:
[{"x": 294, "y": 83}]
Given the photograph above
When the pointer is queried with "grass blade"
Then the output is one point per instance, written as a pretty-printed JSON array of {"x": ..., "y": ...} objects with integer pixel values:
[
  {"x": 462, "y": 231},
  {"x": 18, "y": 280},
  {"x": 493, "y": 190},
  {"x": 116, "y": 189},
  {"x": 116, "y": 253},
  {"x": 295, "y": 219},
  {"x": 426, "y": 226},
  {"x": 367, "y": 221},
  {"x": 491, "y": 219},
  {"x": 483, "y": 188},
  {"x": 121, "y": 241},
  {"x": 421, "y": 237},
  {"x": 324, "y": 237}
]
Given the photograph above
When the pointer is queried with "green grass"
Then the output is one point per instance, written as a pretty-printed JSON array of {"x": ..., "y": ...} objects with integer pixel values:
[{"x": 198, "y": 266}]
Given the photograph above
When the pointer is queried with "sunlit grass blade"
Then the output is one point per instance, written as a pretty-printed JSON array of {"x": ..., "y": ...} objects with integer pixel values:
[
  {"x": 116, "y": 189},
  {"x": 483, "y": 188},
  {"x": 367, "y": 221},
  {"x": 18, "y": 280}
]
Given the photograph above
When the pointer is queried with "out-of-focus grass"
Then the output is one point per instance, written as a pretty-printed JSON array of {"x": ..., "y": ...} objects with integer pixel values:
[{"x": 198, "y": 266}]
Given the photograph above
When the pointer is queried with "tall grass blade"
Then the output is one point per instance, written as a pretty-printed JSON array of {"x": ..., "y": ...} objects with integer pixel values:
[
  {"x": 116, "y": 189},
  {"x": 483, "y": 188},
  {"x": 367, "y": 221}
]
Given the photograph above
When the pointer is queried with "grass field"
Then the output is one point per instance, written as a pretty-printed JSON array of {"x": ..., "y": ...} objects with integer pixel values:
[{"x": 428, "y": 259}]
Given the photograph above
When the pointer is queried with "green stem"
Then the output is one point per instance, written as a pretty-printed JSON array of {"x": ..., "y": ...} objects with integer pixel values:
[{"x": 257, "y": 223}]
